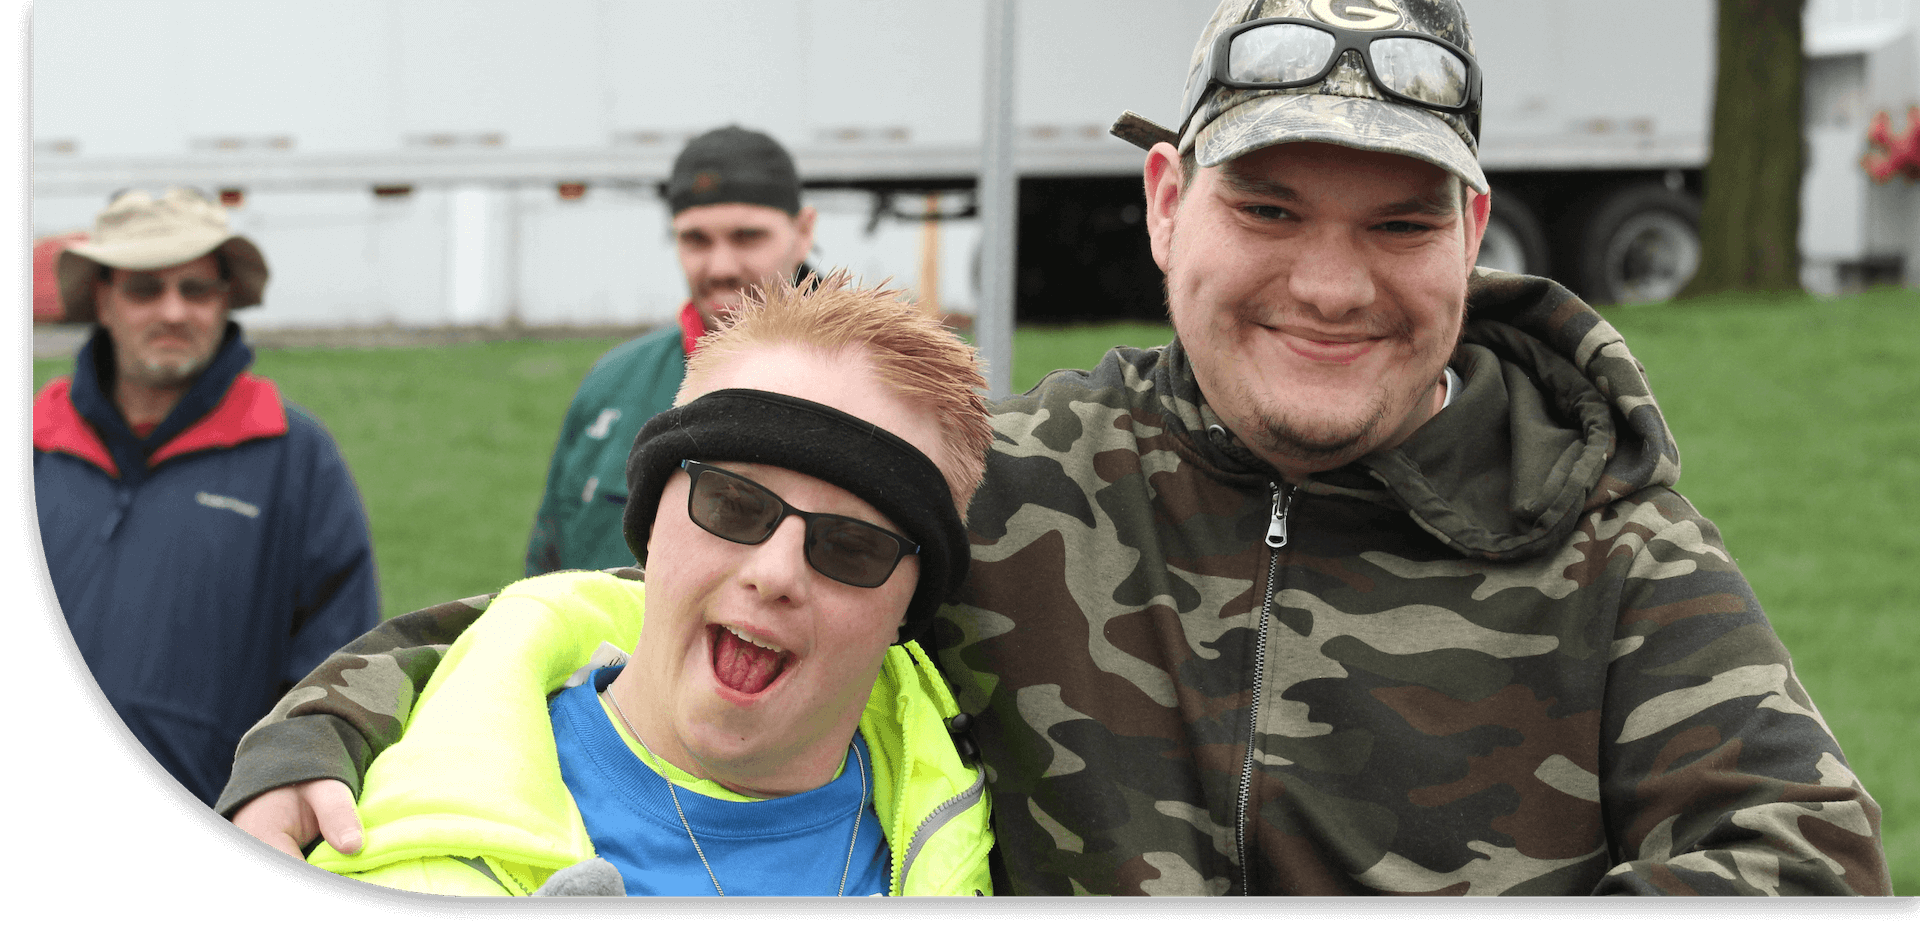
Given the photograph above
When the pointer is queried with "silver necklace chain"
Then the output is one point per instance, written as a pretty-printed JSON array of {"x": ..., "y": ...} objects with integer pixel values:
[{"x": 860, "y": 809}]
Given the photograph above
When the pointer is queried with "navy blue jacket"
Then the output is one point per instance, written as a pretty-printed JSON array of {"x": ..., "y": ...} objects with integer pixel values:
[{"x": 205, "y": 568}]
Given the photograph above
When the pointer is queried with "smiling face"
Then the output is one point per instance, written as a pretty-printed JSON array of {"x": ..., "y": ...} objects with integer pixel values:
[
  {"x": 166, "y": 340},
  {"x": 728, "y": 247},
  {"x": 723, "y": 616},
  {"x": 1319, "y": 291}
]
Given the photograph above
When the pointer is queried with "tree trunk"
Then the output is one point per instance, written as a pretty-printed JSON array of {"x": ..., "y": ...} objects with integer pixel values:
[{"x": 1750, "y": 221}]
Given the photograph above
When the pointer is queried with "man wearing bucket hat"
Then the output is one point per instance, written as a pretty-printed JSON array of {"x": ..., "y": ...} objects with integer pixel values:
[
  {"x": 737, "y": 222},
  {"x": 204, "y": 537},
  {"x": 1374, "y": 580}
]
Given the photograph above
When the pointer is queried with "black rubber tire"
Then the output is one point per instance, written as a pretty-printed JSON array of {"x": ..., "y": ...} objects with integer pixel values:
[
  {"x": 1637, "y": 244},
  {"x": 1512, "y": 228}
]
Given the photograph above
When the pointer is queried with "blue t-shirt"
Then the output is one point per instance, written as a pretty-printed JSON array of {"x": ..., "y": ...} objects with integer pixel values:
[{"x": 795, "y": 845}]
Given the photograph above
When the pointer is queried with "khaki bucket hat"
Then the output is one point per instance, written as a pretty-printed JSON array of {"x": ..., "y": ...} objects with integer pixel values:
[{"x": 140, "y": 232}]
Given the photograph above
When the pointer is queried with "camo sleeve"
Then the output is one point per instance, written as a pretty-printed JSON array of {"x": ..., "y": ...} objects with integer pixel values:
[
  {"x": 1719, "y": 776},
  {"x": 350, "y": 708}
]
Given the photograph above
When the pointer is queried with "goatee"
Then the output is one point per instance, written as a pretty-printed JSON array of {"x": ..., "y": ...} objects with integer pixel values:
[{"x": 1301, "y": 444}]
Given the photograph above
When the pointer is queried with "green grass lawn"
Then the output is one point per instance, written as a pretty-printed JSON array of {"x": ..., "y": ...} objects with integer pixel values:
[
  {"x": 1798, "y": 437},
  {"x": 1794, "y": 420}
]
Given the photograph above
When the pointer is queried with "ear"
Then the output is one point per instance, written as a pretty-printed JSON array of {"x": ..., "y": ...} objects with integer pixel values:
[
  {"x": 803, "y": 224},
  {"x": 1477, "y": 213},
  {"x": 103, "y": 309},
  {"x": 1164, "y": 184}
]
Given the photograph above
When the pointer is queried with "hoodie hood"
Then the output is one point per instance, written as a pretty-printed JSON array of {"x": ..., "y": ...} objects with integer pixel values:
[{"x": 1554, "y": 419}]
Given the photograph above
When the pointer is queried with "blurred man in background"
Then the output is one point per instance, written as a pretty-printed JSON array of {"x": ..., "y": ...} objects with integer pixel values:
[
  {"x": 737, "y": 222},
  {"x": 204, "y": 537}
]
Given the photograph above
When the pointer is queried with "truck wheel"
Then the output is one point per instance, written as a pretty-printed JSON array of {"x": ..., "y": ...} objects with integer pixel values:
[
  {"x": 1641, "y": 244},
  {"x": 1514, "y": 241}
]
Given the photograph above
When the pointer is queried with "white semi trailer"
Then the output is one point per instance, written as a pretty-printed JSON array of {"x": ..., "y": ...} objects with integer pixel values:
[
  {"x": 479, "y": 161},
  {"x": 1598, "y": 120}
]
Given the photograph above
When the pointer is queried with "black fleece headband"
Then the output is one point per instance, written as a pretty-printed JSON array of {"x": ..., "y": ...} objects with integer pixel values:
[{"x": 740, "y": 425}]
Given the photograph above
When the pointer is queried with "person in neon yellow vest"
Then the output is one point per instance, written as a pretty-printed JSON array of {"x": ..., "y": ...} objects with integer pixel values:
[{"x": 772, "y": 729}]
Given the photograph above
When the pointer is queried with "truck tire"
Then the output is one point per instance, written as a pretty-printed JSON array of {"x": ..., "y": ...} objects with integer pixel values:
[
  {"x": 1514, "y": 241},
  {"x": 1639, "y": 244}
]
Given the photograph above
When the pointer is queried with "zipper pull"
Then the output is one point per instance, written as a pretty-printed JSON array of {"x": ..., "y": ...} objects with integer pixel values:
[
  {"x": 1277, "y": 526},
  {"x": 122, "y": 499}
]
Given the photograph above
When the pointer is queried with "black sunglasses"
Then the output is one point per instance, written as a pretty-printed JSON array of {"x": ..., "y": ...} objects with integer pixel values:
[
  {"x": 843, "y": 549},
  {"x": 1285, "y": 52},
  {"x": 145, "y": 288}
]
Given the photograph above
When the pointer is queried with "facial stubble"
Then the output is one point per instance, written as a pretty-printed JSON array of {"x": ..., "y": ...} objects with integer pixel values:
[
  {"x": 1293, "y": 439},
  {"x": 159, "y": 372}
]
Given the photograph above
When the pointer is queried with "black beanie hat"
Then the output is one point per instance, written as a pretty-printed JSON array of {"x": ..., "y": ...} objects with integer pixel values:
[{"x": 733, "y": 164}]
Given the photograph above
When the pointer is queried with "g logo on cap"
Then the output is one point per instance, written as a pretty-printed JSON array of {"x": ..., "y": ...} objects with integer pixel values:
[{"x": 1357, "y": 14}]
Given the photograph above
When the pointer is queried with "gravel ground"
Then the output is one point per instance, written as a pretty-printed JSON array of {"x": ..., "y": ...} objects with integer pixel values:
[
  {"x": 57, "y": 341},
  {"x": 63, "y": 340}
]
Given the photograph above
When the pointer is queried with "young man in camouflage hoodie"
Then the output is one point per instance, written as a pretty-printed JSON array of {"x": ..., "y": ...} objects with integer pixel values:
[{"x": 1372, "y": 582}]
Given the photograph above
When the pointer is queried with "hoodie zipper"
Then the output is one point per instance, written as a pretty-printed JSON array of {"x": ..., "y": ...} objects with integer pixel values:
[
  {"x": 1276, "y": 539},
  {"x": 937, "y": 819}
]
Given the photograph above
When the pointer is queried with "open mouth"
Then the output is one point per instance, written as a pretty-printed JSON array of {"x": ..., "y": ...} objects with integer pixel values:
[{"x": 743, "y": 664}]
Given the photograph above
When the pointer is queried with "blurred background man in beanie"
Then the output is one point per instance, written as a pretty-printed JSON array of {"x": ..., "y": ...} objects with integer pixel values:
[
  {"x": 737, "y": 223},
  {"x": 204, "y": 538}
]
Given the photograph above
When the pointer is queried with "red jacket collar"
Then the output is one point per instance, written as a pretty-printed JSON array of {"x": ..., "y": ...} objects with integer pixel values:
[
  {"x": 250, "y": 410},
  {"x": 692, "y": 327}
]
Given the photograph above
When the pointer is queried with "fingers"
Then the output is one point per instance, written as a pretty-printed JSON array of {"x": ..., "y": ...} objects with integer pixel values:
[
  {"x": 275, "y": 818},
  {"x": 288, "y": 818},
  {"x": 282, "y": 842},
  {"x": 331, "y": 806}
]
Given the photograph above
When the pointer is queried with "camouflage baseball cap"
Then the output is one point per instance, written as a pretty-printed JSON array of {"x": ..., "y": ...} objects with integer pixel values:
[{"x": 1345, "y": 109}]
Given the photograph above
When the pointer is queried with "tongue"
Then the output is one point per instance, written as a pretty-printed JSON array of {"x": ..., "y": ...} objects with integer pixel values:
[{"x": 744, "y": 667}]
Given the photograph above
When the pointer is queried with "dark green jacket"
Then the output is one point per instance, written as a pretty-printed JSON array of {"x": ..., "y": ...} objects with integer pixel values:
[{"x": 578, "y": 526}]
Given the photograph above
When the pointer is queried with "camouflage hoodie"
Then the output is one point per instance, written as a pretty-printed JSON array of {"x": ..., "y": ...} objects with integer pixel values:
[{"x": 1503, "y": 658}]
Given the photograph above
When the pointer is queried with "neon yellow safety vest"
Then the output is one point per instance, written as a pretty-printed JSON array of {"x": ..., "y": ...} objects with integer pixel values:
[{"x": 470, "y": 800}]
